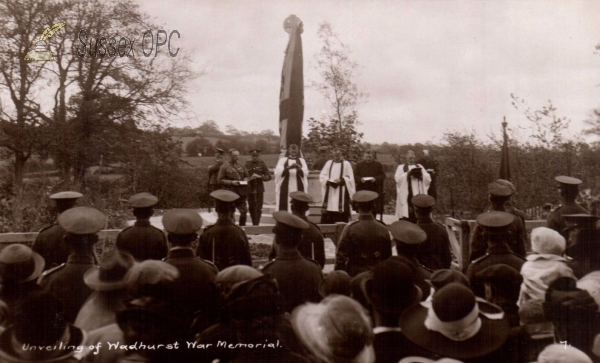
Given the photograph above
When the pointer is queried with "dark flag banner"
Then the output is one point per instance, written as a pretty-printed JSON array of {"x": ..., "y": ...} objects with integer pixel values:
[
  {"x": 504, "y": 161},
  {"x": 291, "y": 97}
]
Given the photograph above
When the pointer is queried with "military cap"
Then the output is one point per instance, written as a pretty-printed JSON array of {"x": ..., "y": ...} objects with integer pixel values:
[
  {"x": 499, "y": 189},
  {"x": 142, "y": 200},
  {"x": 500, "y": 273},
  {"x": 423, "y": 200},
  {"x": 182, "y": 221},
  {"x": 255, "y": 152},
  {"x": 82, "y": 220},
  {"x": 581, "y": 221},
  {"x": 219, "y": 151},
  {"x": 301, "y": 197},
  {"x": 290, "y": 220},
  {"x": 495, "y": 219},
  {"x": 568, "y": 180},
  {"x": 364, "y": 196},
  {"x": 323, "y": 148},
  {"x": 66, "y": 195},
  {"x": 225, "y": 195},
  {"x": 407, "y": 232}
]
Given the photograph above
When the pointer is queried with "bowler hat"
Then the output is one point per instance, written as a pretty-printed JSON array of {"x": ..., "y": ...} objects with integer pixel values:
[
  {"x": 142, "y": 200},
  {"x": 19, "y": 263},
  {"x": 364, "y": 196},
  {"x": 407, "y": 232},
  {"x": 111, "y": 274},
  {"x": 182, "y": 221},
  {"x": 290, "y": 220},
  {"x": 423, "y": 200},
  {"x": 82, "y": 220},
  {"x": 452, "y": 327},
  {"x": 223, "y": 195}
]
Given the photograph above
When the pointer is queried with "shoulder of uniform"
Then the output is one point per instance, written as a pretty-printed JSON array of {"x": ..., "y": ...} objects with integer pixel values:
[
  {"x": 480, "y": 258},
  {"x": 208, "y": 227},
  {"x": 240, "y": 228},
  {"x": 53, "y": 270},
  {"x": 382, "y": 222},
  {"x": 314, "y": 224},
  {"x": 351, "y": 223},
  {"x": 126, "y": 228},
  {"x": 158, "y": 229},
  {"x": 209, "y": 263},
  {"x": 519, "y": 256},
  {"x": 268, "y": 264},
  {"x": 313, "y": 261},
  {"x": 48, "y": 227}
]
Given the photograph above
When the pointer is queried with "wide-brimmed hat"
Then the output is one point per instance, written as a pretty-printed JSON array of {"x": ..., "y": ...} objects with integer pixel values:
[
  {"x": 19, "y": 263},
  {"x": 454, "y": 312},
  {"x": 392, "y": 287},
  {"x": 111, "y": 274}
]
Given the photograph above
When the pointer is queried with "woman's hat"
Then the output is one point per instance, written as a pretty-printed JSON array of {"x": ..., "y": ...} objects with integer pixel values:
[
  {"x": 453, "y": 326},
  {"x": 18, "y": 263},
  {"x": 111, "y": 274},
  {"x": 392, "y": 288}
]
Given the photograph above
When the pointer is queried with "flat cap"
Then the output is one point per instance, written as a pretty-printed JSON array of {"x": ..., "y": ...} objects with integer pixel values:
[
  {"x": 568, "y": 180},
  {"x": 290, "y": 220},
  {"x": 225, "y": 195},
  {"x": 407, "y": 232},
  {"x": 423, "y": 200},
  {"x": 364, "y": 196},
  {"x": 82, "y": 220},
  {"x": 142, "y": 200},
  {"x": 581, "y": 220},
  {"x": 494, "y": 219},
  {"x": 500, "y": 273},
  {"x": 499, "y": 189},
  {"x": 66, "y": 195},
  {"x": 220, "y": 151},
  {"x": 182, "y": 221},
  {"x": 508, "y": 184},
  {"x": 255, "y": 151},
  {"x": 301, "y": 197},
  {"x": 323, "y": 148}
]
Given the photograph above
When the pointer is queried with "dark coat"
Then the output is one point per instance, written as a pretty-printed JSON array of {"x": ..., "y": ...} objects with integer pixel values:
[
  {"x": 373, "y": 169},
  {"x": 194, "y": 290},
  {"x": 516, "y": 243},
  {"x": 391, "y": 346},
  {"x": 143, "y": 241},
  {"x": 231, "y": 245},
  {"x": 298, "y": 278},
  {"x": 362, "y": 245},
  {"x": 312, "y": 240},
  {"x": 229, "y": 173},
  {"x": 66, "y": 283},
  {"x": 213, "y": 173},
  {"x": 49, "y": 243},
  {"x": 555, "y": 220},
  {"x": 495, "y": 255},
  {"x": 434, "y": 253},
  {"x": 258, "y": 167}
]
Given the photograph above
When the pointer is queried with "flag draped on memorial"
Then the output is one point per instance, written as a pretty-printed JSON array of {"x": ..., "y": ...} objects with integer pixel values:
[
  {"x": 504, "y": 161},
  {"x": 291, "y": 97}
]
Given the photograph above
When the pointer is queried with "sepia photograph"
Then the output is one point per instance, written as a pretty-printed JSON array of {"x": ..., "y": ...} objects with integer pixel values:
[{"x": 386, "y": 181}]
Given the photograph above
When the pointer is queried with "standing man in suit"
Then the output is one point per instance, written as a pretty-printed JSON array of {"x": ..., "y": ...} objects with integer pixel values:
[
  {"x": 369, "y": 175},
  {"x": 234, "y": 177},
  {"x": 259, "y": 173},
  {"x": 49, "y": 243}
]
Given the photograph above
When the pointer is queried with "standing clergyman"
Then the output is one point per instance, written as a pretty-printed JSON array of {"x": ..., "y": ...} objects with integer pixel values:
[
  {"x": 337, "y": 185},
  {"x": 369, "y": 175},
  {"x": 291, "y": 175},
  {"x": 411, "y": 179}
]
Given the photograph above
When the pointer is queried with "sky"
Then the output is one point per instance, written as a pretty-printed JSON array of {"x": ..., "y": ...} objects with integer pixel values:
[{"x": 428, "y": 66}]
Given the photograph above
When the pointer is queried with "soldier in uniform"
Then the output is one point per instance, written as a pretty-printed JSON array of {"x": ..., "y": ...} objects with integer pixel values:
[
  {"x": 66, "y": 281},
  {"x": 569, "y": 189},
  {"x": 363, "y": 243},
  {"x": 495, "y": 230},
  {"x": 194, "y": 291},
  {"x": 369, "y": 175},
  {"x": 49, "y": 243},
  {"x": 224, "y": 243},
  {"x": 409, "y": 238},
  {"x": 298, "y": 277},
  {"x": 312, "y": 245},
  {"x": 142, "y": 240},
  {"x": 499, "y": 194},
  {"x": 434, "y": 253},
  {"x": 259, "y": 173},
  {"x": 234, "y": 177},
  {"x": 213, "y": 171}
]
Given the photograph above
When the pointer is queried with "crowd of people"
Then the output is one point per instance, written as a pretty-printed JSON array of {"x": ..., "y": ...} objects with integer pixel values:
[{"x": 192, "y": 295}]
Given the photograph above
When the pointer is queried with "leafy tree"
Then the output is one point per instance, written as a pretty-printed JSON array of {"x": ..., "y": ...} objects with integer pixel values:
[
  {"x": 210, "y": 127},
  {"x": 198, "y": 145},
  {"x": 337, "y": 86}
]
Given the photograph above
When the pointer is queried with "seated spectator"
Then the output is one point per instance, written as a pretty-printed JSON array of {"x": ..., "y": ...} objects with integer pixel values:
[
  {"x": 336, "y": 330},
  {"x": 543, "y": 266},
  {"x": 40, "y": 328},
  {"x": 110, "y": 290}
]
